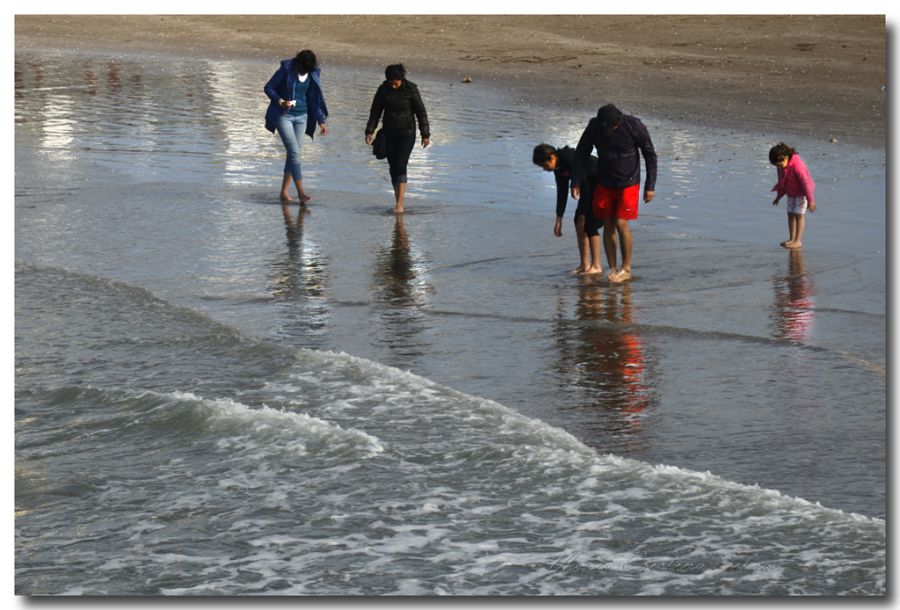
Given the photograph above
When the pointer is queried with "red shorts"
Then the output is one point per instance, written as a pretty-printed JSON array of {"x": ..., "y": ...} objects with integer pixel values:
[{"x": 616, "y": 204}]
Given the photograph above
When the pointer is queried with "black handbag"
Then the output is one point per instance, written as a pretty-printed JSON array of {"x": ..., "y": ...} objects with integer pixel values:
[{"x": 379, "y": 145}]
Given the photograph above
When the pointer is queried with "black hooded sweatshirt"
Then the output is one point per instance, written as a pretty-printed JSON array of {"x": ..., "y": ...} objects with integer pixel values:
[
  {"x": 401, "y": 107},
  {"x": 618, "y": 161}
]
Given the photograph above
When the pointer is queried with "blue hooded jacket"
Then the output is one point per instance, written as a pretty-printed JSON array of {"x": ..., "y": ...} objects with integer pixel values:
[{"x": 280, "y": 86}]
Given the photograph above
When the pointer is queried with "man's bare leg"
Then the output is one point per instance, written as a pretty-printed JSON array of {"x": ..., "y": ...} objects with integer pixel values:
[
  {"x": 609, "y": 246},
  {"x": 623, "y": 273}
]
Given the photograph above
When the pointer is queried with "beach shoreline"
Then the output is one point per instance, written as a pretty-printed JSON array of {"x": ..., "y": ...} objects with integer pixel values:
[
  {"x": 217, "y": 394},
  {"x": 812, "y": 76}
]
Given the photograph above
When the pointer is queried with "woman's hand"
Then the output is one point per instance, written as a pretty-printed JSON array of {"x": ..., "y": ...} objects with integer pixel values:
[
  {"x": 557, "y": 227},
  {"x": 370, "y": 138},
  {"x": 426, "y": 142},
  {"x": 323, "y": 129}
]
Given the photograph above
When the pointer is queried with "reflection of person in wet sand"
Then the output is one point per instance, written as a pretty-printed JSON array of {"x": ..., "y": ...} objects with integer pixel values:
[
  {"x": 610, "y": 356},
  {"x": 794, "y": 305},
  {"x": 295, "y": 277},
  {"x": 559, "y": 161},
  {"x": 285, "y": 280},
  {"x": 620, "y": 349},
  {"x": 395, "y": 270},
  {"x": 298, "y": 283},
  {"x": 400, "y": 274},
  {"x": 401, "y": 290},
  {"x": 293, "y": 227},
  {"x": 620, "y": 140}
]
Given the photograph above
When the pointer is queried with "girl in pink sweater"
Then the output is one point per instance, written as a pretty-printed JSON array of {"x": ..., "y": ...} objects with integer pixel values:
[{"x": 795, "y": 182}]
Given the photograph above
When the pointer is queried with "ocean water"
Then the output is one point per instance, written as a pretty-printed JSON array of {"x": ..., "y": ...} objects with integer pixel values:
[{"x": 216, "y": 396}]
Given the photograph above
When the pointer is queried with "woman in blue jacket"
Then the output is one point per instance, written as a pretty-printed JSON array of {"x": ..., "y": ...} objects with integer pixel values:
[{"x": 297, "y": 106}]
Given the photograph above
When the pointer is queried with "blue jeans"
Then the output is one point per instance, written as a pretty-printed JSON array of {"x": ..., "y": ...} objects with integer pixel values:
[{"x": 292, "y": 128}]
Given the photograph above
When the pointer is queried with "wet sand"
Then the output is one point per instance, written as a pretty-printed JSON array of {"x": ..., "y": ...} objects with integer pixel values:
[{"x": 814, "y": 76}]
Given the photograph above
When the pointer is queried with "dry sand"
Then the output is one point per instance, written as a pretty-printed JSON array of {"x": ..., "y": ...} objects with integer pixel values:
[{"x": 812, "y": 75}]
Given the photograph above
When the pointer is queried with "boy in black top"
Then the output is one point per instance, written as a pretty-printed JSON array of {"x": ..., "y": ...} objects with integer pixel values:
[{"x": 560, "y": 162}]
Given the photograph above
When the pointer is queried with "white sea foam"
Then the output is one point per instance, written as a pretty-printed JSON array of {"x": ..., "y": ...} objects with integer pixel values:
[
  {"x": 458, "y": 459},
  {"x": 402, "y": 397},
  {"x": 293, "y": 431},
  {"x": 488, "y": 501}
]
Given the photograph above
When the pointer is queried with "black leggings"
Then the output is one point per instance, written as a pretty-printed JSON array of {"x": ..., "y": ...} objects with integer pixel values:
[{"x": 399, "y": 148}]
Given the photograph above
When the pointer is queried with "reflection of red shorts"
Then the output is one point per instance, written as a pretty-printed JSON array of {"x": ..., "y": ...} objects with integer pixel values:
[{"x": 616, "y": 204}]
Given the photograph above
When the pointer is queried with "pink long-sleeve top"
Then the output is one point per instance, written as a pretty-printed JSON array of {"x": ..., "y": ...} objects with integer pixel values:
[{"x": 794, "y": 180}]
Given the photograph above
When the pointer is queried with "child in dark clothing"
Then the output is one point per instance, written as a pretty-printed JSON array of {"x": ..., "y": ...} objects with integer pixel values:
[{"x": 559, "y": 161}]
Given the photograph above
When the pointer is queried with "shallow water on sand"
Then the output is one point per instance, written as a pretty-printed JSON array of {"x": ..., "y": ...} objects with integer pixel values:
[{"x": 163, "y": 293}]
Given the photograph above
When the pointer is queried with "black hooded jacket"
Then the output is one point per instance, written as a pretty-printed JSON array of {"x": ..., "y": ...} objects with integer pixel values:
[
  {"x": 618, "y": 153},
  {"x": 401, "y": 107}
]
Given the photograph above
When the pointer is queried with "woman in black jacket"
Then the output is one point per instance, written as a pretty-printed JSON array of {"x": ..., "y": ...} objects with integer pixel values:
[{"x": 400, "y": 102}]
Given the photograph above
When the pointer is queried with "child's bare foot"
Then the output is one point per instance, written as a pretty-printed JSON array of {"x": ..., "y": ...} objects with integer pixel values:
[
  {"x": 612, "y": 273},
  {"x": 398, "y": 209},
  {"x": 304, "y": 198},
  {"x": 592, "y": 271},
  {"x": 285, "y": 198},
  {"x": 794, "y": 244},
  {"x": 578, "y": 270},
  {"x": 622, "y": 275}
]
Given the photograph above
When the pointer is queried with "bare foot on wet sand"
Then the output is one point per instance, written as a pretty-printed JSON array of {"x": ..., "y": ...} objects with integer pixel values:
[
  {"x": 285, "y": 198},
  {"x": 791, "y": 244},
  {"x": 591, "y": 271},
  {"x": 620, "y": 275}
]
